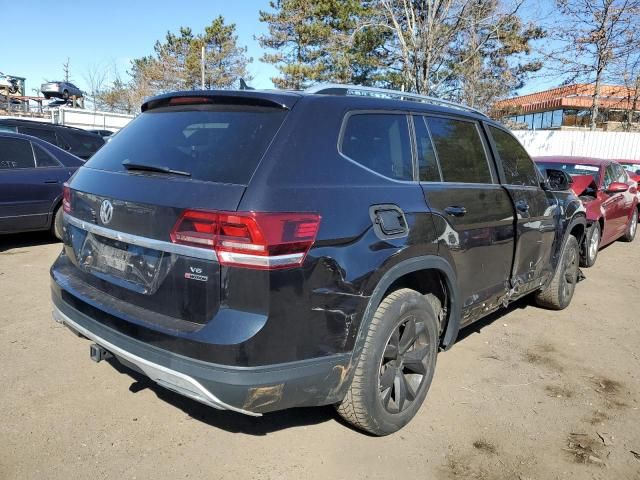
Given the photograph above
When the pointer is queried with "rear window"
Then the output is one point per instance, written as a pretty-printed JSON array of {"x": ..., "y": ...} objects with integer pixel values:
[
  {"x": 41, "y": 133},
  {"x": 218, "y": 144}
]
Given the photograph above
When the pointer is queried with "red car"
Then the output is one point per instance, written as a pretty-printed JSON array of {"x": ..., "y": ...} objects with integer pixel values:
[
  {"x": 609, "y": 195},
  {"x": 631, "y": 166}
]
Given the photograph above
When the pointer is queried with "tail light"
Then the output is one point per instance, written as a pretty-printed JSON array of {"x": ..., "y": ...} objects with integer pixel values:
[
  {"x": 66, "y": 198},
  {"x": 265, "y": 241}
]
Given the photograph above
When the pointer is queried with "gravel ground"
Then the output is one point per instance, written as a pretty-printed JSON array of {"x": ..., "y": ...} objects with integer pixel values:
[{"x": 526, "y": 394}]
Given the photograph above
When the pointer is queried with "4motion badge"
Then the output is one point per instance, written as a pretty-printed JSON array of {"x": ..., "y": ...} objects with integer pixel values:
[{"x": 195, "y": 273}]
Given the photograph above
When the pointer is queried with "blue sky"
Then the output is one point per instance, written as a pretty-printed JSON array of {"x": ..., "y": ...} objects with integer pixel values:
[
  {"x": 108, "y": 34},
  {"x": 112, "y": 33}
]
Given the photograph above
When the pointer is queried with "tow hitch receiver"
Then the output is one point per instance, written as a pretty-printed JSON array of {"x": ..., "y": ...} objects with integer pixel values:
[{"x": 97, "y": 353}]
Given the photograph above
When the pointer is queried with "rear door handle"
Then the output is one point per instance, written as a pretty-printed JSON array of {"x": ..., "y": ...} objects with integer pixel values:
[
  {"x": 522, "y": 206},
  {"x": 455, "y": 211}
]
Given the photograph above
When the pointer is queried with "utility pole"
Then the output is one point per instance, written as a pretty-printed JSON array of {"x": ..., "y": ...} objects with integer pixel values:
[{"x": 202, "y": 68}]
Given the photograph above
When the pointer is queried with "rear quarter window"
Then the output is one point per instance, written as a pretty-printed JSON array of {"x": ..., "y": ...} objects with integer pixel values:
[
  {"x": 221, "y": 144},
  {"x": 379, "y": 142}
]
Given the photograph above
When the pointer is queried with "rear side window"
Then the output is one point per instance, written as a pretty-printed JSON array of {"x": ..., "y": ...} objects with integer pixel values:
[
  {"x": 427, "y": 163},
  {"x": 8, "y": 128},
  {"x": 89, "y": 142},
  {"x": 218, "y": 144},
  {"x": 44, "y": 158},
  {"x": 379, "y": 142},
  {"x": 15, "y": 153},
  {"x": 517, "y": 165},
  {"x": 41, "y": 133},
  {"x": 460, "y": 151}
]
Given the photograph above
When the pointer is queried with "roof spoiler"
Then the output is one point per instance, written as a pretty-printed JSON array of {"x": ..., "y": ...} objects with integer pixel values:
[{"x": 254, "y": 98}]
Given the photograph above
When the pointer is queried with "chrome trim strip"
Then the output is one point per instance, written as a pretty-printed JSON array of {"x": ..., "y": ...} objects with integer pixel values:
[
  {"x": 142, "y": 241},
  {"x": 260, "y": 260},
  {"x": 163, "y": 376}
]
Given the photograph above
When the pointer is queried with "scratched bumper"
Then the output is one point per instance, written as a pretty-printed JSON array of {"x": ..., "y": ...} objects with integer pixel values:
[{"x": 248, "y": 390}]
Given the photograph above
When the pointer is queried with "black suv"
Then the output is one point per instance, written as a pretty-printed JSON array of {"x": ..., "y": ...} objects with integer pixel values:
[
  {"x": 260, "y": 250},
  {"x": 81, "y": 143}
]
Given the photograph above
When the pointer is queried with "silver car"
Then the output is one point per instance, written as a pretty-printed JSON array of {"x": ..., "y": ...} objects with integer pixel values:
[{"x": 64, "y": 90}]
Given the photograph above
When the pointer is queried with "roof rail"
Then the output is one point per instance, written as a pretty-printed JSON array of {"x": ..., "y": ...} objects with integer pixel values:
[{"x": 358, "y": 91}]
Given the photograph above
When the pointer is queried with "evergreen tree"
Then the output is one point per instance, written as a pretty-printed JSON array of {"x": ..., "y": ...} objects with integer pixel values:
[
  {"x": 176, "y": 62},
  {"x": 319, "y": 41}
]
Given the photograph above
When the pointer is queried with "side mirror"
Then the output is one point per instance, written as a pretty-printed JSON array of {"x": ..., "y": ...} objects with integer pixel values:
[
  {"x": 558, "y": 179},
  {"x": 617, "y": 187}
]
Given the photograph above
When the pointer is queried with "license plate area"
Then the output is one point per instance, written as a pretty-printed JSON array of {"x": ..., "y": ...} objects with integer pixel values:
[{"x": 130, "y": 266}]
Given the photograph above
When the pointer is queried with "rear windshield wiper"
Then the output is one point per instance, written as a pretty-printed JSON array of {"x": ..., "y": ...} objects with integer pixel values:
[{"x": 153, "y": 168}]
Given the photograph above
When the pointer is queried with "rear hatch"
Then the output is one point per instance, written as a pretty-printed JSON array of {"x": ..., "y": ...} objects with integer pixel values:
[{"x": 183, "y": 154}]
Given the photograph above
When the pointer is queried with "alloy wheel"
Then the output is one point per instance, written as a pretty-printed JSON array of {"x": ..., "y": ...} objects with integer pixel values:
[
  {"x": 594, "y": 244},
  {"x": 634, "y": 224},
  {"x": 570, "y": 277},
  {"x": 403, "y": 366}
]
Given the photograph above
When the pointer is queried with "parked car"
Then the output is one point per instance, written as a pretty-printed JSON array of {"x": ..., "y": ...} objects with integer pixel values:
[
  {"x": 32, "y": 173},
  {"x": 631, "y": 166},
  {"x": 609, "y": 196},
  {"x": 79, "y": 142},
  {"x": 255, "y": 256},
  {"x": 60, "y": 89}
]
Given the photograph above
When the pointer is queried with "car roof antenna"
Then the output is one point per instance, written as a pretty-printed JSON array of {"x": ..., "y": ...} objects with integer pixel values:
[{"x": 244, "y": 86}]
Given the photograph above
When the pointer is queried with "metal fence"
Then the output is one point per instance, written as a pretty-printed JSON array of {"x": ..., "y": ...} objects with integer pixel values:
[
  {"x": 90, "y": 119},
  {"x": 613, "y": 145}
]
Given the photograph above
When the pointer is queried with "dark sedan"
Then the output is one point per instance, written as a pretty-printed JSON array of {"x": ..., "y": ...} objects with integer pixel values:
[{"x": 32, "y": 174}]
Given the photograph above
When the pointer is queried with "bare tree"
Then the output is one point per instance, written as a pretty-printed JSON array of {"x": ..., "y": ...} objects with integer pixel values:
[
  {"x": 433, "y": 41},
  {"x": 95, "y": 78},
  {"x": 593, "y": 35},
  {"x": 66, "y": 70},
  {"x": 627, "y": 69}
]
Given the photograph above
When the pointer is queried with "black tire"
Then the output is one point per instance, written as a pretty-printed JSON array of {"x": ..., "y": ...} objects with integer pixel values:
[
  {"x": 47, "y": 96},
  {"x": 65, "y": 94},
  {"x": 632, "y": 228},
  {"x": 56, "y": 224},
  {"x": 396, "y": 366},
  {"x": 591, "y": 246},
  {"x": 558, "y": 294}
]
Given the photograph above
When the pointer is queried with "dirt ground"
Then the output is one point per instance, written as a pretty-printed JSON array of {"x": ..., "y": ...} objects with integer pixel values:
[{"x": 528, "y": 394}]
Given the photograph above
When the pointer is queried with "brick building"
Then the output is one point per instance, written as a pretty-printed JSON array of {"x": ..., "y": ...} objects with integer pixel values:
[{"x": 569, "y": 107}]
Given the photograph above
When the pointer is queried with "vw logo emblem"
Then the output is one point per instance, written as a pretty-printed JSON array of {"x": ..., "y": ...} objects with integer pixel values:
[{"x": 106, "y": 211}]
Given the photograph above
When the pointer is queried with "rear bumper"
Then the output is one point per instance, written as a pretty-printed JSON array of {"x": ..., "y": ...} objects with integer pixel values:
[{"x": 248, "y": 390}]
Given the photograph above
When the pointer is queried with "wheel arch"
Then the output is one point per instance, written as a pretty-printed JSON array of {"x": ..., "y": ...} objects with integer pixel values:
[
  {"x": 404, "y": 274},
  {"x": 57, "y": 203},
  {"x": 577, "y": 225}
]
